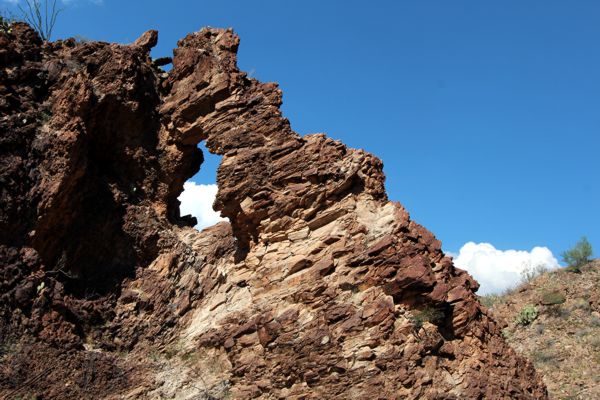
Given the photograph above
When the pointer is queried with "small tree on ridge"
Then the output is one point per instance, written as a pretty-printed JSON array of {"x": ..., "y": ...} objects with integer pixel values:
[{"x": 579, "y": 255}]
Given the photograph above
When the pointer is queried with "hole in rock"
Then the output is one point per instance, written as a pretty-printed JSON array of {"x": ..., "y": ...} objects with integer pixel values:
[{"x": 200, "y": 190}]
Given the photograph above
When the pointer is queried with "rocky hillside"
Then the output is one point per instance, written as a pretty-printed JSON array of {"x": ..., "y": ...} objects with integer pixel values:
[
  {"x": 319, "y": 288},
  {"x": 555, "y": 321}
]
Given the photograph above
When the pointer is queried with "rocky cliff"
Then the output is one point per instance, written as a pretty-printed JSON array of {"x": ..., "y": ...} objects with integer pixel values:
[{"x": 320, "y": 287}]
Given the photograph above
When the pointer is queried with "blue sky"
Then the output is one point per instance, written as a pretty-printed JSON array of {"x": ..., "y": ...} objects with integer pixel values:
[{"x": 485, "y": 113}]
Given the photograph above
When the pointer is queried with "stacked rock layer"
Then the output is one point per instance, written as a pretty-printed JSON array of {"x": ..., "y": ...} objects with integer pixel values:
[{"x": 319, "y": 287}]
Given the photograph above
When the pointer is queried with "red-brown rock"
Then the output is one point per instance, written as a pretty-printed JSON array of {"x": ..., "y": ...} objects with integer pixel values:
[{"x": 319, "y": 287}]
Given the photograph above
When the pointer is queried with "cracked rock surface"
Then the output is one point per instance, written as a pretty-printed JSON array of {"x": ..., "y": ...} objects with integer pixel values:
[{"x": 319, "y": 287}]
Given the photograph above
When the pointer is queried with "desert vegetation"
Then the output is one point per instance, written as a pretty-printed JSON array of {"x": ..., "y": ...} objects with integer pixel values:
[
  {"x": 41, "y": 15},
  {"x": 554, "y": 319},
  {"x": 579, "y": 255}
]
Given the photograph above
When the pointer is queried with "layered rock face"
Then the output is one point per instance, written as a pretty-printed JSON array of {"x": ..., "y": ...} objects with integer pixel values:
[{"x": 319, "y": 288}]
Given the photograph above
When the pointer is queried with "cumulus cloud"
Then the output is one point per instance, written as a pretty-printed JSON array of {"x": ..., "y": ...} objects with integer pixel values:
[
  {"x": 197, "y": 200},
  {"x": 498, "y": 270}
]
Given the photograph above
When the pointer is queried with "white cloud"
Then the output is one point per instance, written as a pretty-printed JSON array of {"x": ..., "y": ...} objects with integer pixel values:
[
  {"x": 498, "y": 270},
  {"x": 197, "y": 199}
]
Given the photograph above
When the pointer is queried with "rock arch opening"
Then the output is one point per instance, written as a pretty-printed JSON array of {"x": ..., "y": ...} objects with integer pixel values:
[{"x": 200, "y": 190}]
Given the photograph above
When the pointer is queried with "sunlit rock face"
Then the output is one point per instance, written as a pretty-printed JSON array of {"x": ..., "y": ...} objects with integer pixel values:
[{"x": 318, "y": 287}]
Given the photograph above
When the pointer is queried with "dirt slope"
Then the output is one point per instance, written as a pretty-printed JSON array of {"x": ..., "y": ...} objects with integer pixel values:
[{"x": 563, "y": 340}]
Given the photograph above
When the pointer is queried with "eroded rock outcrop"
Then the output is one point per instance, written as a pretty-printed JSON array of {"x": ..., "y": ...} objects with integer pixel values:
[{"x": 319, "y": 288}]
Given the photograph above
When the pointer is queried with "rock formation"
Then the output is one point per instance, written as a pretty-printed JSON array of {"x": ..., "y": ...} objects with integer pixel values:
[{"x": 319, "y": 288}]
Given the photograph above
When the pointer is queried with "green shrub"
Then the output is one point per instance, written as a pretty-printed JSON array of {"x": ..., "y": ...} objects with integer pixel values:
[
  {"x": 427, "y": 314},
  {"x": 579, "y": 255},
  {"x": 550, "y": 297},
  {"x": 527, "y": 315}
]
